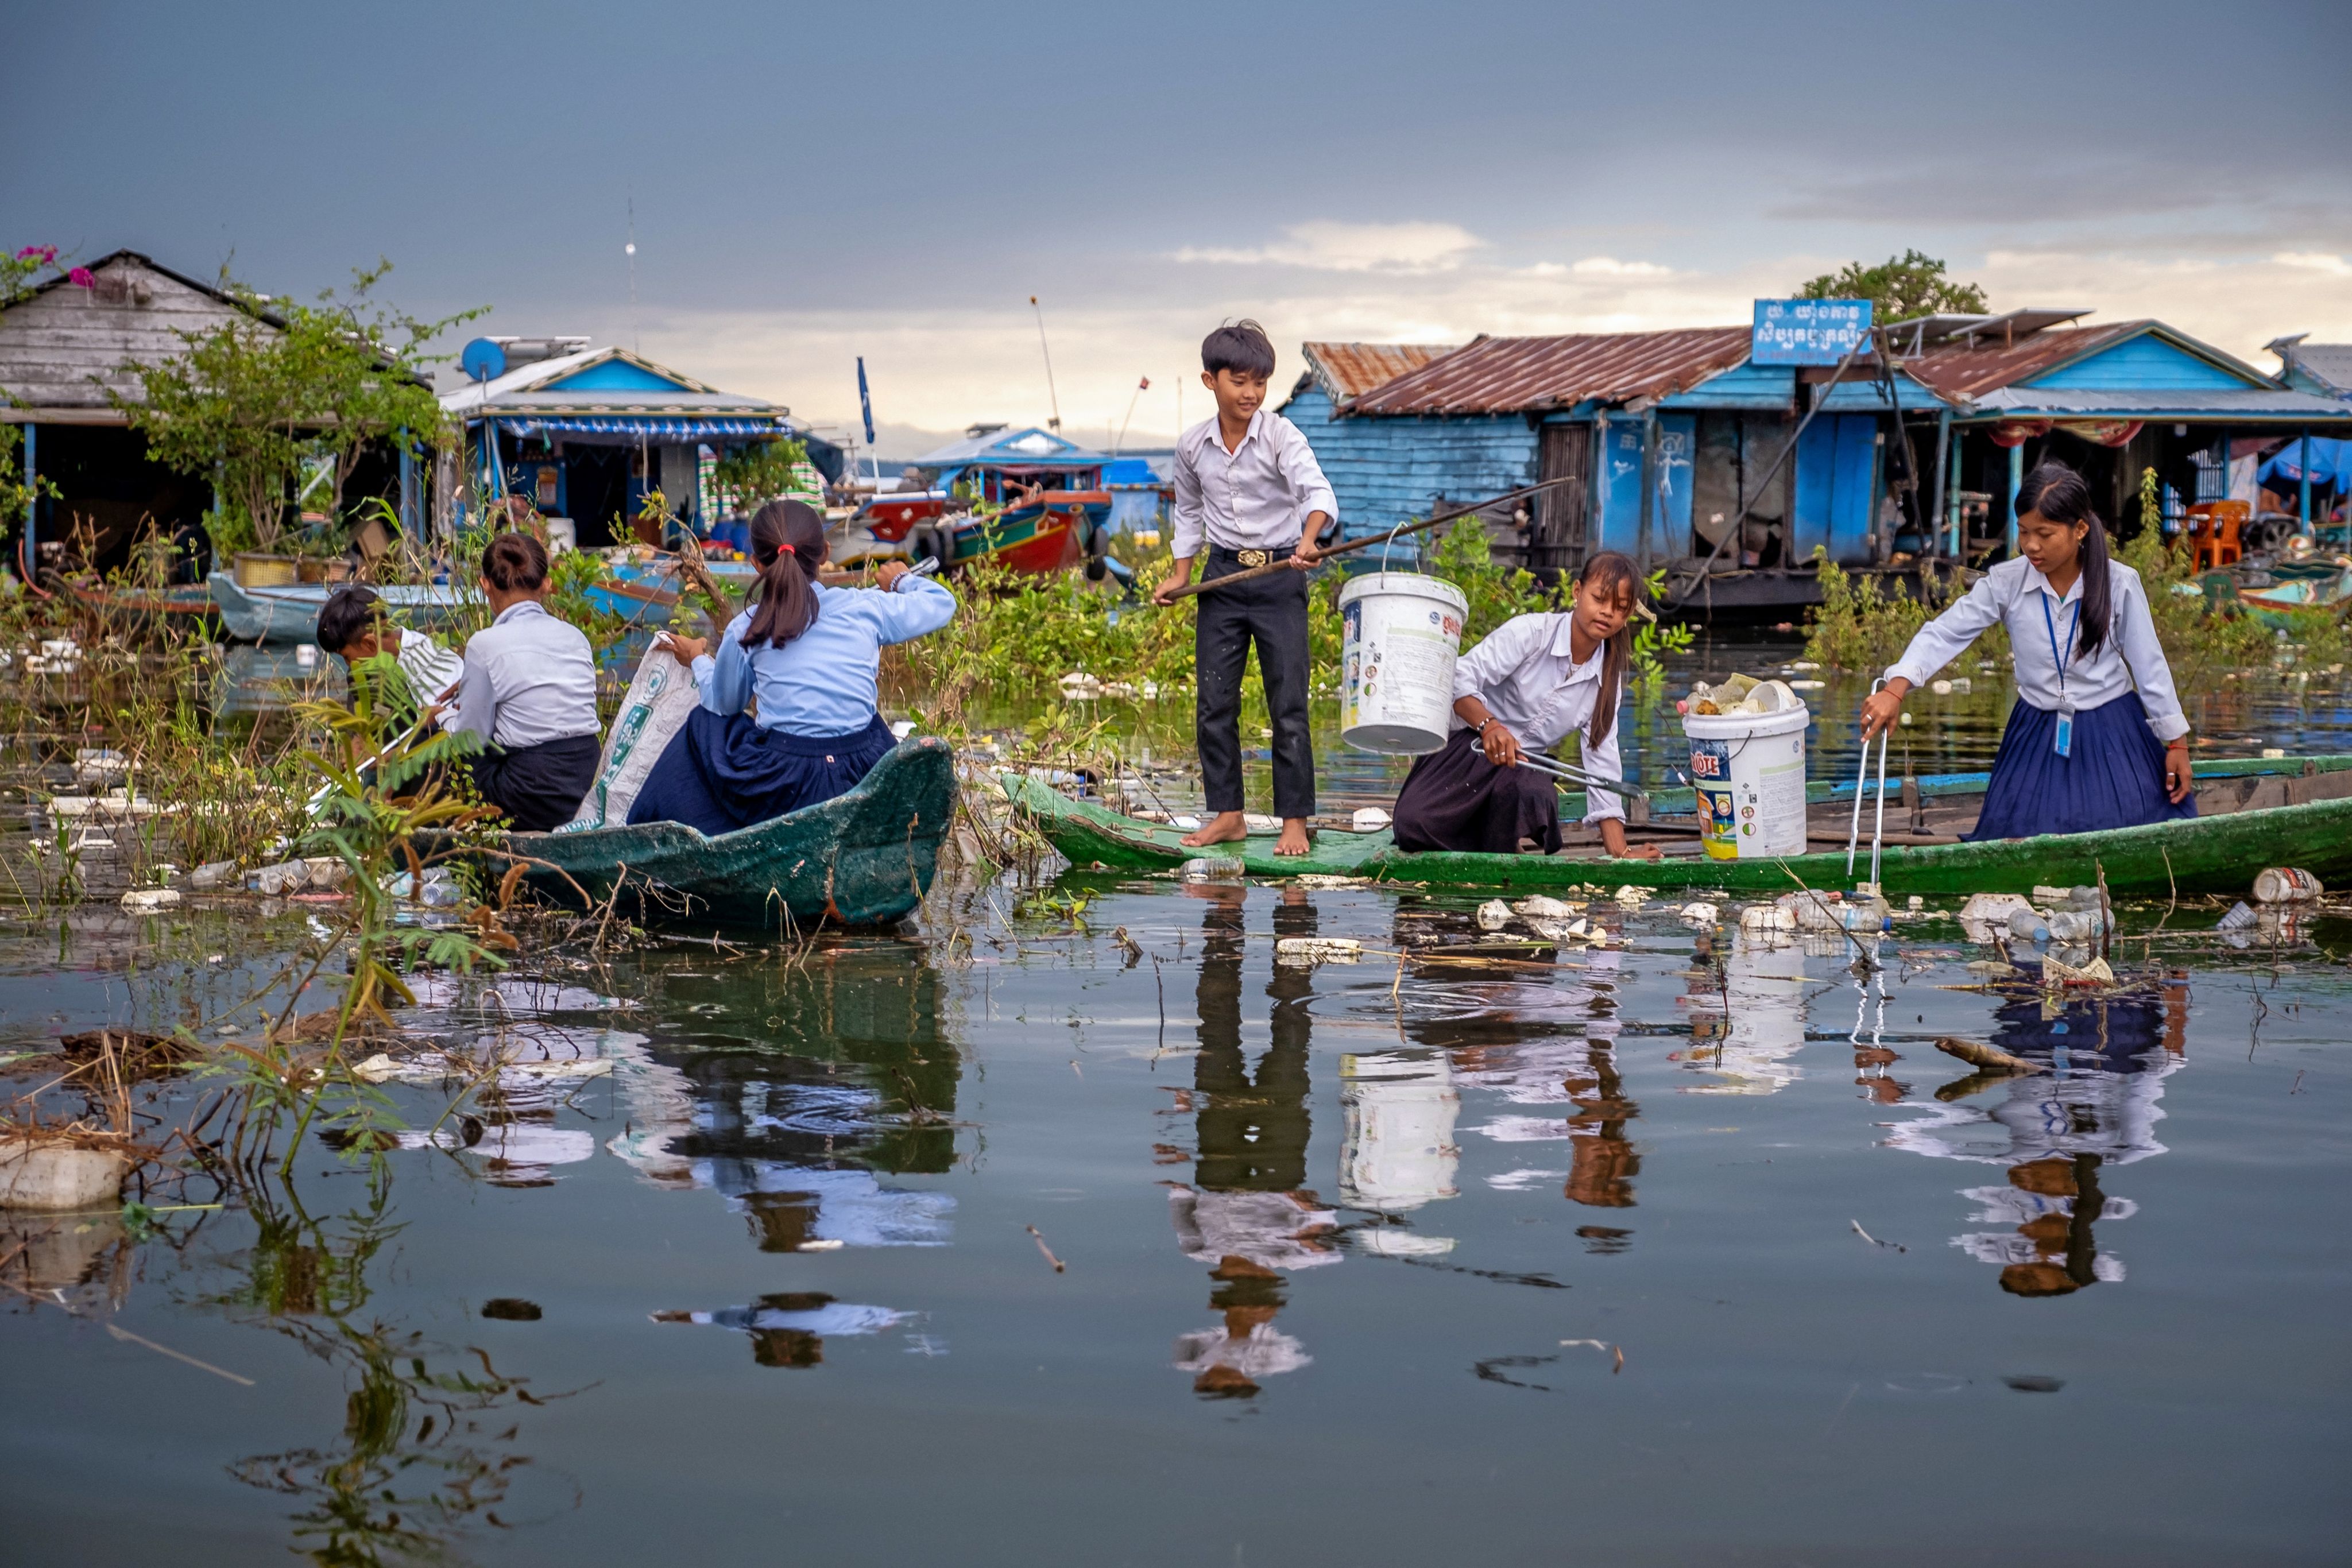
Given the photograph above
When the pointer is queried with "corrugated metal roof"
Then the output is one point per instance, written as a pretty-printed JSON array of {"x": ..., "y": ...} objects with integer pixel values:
[
  {"x": 2136, "y": 403},
  {"x": 1511, "y": 375},
  {"x": 2328, "y": 363},
  {"x": 1960, "y": 371},
  {"x": 1348, "y": 371}
]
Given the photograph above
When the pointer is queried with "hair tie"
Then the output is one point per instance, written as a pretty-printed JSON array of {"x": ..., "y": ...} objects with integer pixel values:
[{"x": 786, "y": 549}]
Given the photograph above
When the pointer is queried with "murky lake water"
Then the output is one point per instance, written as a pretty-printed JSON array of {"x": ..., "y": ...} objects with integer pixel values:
[
  {"x": 1687, "y": 1249},
  {"x": 1351, "y": 1264}
]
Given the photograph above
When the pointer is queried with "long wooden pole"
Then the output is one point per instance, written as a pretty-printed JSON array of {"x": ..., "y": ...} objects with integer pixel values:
[{"x": 1270, "y": 568}]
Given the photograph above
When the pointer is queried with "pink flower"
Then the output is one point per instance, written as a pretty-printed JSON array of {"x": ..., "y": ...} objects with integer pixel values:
[
  {"x": 43, "y": 253},
  {"x": 80, "y": 278}
]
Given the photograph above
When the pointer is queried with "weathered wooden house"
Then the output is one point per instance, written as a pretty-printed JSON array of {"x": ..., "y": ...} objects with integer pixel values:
[
  {"x": 63, "y": 348},
  {"x": 1666, "y": 441}
]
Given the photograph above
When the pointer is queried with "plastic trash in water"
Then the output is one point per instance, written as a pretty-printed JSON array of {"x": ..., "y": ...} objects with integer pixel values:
[
  {"x": 2028, "y": 924},
  {"x": 1493, "y": 915},
  {"x": 1213, "y": 868},
  {"x": 2286, "y": 884},
  {"x": 2241, "y": 915},
  {"x": 2077, "y": 925},
  {"x": 1370, "y": 819}
]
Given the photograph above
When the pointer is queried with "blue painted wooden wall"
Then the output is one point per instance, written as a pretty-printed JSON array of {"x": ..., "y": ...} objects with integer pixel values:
[
  {"x": 1388, "y": 469},
  {"x": 1837, "y": 460},
  {"x": 1619, "y": 485},
  {"x": 2146, "y": 362}
]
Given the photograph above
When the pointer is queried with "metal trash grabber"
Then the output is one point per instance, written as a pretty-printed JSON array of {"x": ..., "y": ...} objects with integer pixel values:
[{"x": 1861, "y": 781}]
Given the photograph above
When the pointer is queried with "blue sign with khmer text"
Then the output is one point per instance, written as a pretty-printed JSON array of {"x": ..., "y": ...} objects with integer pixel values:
[{"x": 1807, "y": 331}]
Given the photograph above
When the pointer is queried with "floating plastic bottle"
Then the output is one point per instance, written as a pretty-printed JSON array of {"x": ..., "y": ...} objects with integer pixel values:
[
  {"x": 2286, "y": 884},
  {"x": 1213, "y": 868},
  {"x": 2029, "y": 925}
]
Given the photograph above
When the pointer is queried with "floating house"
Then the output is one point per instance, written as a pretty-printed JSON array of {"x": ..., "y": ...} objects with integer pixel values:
[
  {"x": 63, "y": 349},
  {"x": 585, "y": 433},
  {"x": 1664, "y": 443},
  {"x": 2112, "y": 400},
  {"x": 990, "y": 455}
]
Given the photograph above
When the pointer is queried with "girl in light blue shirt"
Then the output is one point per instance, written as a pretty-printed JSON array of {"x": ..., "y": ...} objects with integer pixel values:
[{"x": 809, "y": 657}]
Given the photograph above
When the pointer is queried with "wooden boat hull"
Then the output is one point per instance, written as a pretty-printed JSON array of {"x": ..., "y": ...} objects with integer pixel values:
[
  {"x": 2310, "y": 827},
  {"x": 291, "y": 613},
  {"x": 1045, "y": 536},
  {"x": 184, "y": 604},
  {"x": 865, "y": 858}
]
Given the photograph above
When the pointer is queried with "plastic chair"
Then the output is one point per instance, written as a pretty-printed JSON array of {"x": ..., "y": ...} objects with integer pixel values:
[{"x": 2213, "y": 527}]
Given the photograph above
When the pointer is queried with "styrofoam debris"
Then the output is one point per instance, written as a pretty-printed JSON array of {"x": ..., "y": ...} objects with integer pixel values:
[
  {"x": 149, "y": 900},
  {"x": 1701, "y": 912},
  {"x": 1493, "y": 915},
  {"x": 1545, "y": 908},
  {"x": 1370, "y": 820}
]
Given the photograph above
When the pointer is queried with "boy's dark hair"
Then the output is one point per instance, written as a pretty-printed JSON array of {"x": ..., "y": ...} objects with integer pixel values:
[
  {"x": 515, "y": 561},
  {"x": 346, "y": 618},
  {"x": 1241, "y": 347},
  {"x": 2059, "y": 494}
]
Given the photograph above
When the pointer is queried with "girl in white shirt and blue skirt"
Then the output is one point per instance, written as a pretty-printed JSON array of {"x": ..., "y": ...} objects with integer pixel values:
[
  {"x": 811, "y": 657},
  {"x": 1533, "y": 681},
  {"x": 2097, "y": 739}
]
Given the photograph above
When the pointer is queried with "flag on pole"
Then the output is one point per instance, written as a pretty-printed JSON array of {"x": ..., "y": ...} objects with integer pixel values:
[{"x": 864, "y": 404}]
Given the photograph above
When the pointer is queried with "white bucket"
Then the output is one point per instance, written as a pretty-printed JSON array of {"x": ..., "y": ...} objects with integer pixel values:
[
  {"x": 1749, "y": 770},
  {"x": 1399, "y": 635}
]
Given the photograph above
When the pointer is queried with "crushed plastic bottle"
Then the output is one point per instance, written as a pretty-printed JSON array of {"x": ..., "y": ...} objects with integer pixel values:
[
  {"x": 2028, "y": 924},
  {"x": 1213, "y": 868},
  {"x": 2084, "y": 926},
  {"x": 2241, "y": 915}
]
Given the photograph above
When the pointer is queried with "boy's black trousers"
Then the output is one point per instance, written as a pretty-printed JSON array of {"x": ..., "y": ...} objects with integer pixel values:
[{"x": 1270, "y": 612}]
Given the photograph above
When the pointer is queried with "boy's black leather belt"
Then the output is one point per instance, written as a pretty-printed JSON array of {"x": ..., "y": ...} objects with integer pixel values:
[{"x": 1252, "y": 557}]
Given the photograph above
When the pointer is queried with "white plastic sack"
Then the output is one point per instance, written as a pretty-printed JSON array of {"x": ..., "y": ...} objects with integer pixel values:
[{"x": 660, "y": 698}]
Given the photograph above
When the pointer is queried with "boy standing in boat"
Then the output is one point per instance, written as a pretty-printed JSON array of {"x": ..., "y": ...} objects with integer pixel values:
[{"x": 1248, "y": 485}]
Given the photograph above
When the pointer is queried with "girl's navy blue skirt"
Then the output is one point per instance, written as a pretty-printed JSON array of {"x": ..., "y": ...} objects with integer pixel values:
[
  {"x": 2115, "y": 777},
  {"x": 720, "y": 773}
]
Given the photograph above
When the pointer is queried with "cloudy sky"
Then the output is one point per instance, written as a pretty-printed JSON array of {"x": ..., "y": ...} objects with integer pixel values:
[{"x": 895, "y": 181}]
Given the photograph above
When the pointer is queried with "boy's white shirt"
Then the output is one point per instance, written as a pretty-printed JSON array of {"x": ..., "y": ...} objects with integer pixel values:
[{"x": 1256, "y": 496}]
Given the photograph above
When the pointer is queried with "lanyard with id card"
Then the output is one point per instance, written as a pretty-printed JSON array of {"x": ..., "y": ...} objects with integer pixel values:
[{"x": 2063, "y": 742}]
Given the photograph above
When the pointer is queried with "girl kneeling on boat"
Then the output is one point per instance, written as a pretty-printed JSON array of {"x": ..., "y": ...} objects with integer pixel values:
[
  {"x": 811, "y": 655},
  {"x": 2098, "y": 738},
  {"x": 1532, "y": 681}
]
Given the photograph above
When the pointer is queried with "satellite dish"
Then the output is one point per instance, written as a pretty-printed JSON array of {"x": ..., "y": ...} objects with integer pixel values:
[{"x": 482, "y": 360}]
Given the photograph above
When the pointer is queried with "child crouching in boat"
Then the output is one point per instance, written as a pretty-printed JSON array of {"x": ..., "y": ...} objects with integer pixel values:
[
  {"x": 812, "y": 656},
  {"x": 2096, "y": 739},
  {"x": 1534, "y": 680}
]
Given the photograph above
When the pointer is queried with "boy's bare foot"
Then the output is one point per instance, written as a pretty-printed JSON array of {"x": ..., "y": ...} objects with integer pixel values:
[
  {"x": 1294, "y": 837},
  {"x": 1224, "y": 828}
]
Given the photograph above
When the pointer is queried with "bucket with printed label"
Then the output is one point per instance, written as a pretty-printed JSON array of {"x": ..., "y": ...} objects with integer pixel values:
[
  {"x": 1399, "y": 633},
  {"x": 1748, "y": 772}
]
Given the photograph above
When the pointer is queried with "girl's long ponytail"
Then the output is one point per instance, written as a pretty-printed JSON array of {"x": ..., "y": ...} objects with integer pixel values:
[{"x": 788, "y": 545}]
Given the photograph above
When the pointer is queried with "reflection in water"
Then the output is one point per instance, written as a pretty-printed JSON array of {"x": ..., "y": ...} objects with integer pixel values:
[
  {"x": 1747, "y": 1014},
  {"x": 1503, "y": 1037},
  {"x": 1398, "y": 1152},
  {"x": 1249, "y": 1212},
  {"x": 2058, "y": 1132},
  {"x": 851, "y": 1078},
  {"x": 791, "y": 1329},
  {"x": 420, "y": 1455}
]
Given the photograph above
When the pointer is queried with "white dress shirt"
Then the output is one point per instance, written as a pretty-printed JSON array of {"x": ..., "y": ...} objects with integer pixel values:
[
  {"x": 430, "y": 668},
  {"x": 2016, "y": 595},
  {"x": 1527, "y": 675},
  {"x": 1256, "y": 496},
  {"x": 530, "y": 679}
]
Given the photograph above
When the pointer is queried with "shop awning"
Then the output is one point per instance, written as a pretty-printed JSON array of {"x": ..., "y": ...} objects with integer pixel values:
[{"x": 648, "y": 430}]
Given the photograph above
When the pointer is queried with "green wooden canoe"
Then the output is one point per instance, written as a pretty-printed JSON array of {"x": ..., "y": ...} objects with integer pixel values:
[
  {"x": 2253, "y": 813},
  {"x": 865, "y": 858}
]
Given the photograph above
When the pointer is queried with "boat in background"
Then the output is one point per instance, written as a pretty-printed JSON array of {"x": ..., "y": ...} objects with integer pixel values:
[
  {"x": 182, "y": 605},
  {"x": 290, "y": 613}
]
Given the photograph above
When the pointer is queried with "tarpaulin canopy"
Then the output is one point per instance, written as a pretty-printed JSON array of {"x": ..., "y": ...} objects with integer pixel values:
[
  {"x": 2330, "y": 463},
  {"x": 645, "y": 429}
]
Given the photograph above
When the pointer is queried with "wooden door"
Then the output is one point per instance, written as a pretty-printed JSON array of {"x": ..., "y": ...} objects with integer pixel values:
[{"x": 1556, "y": 542}]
